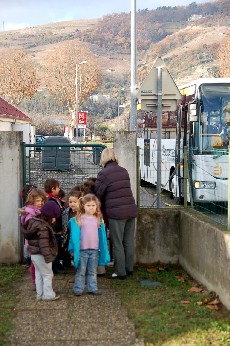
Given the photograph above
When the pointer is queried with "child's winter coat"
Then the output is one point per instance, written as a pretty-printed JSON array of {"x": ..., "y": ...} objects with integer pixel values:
[
  {"x": 75, "y": 243},
  {"x": 40, "y": 238}
]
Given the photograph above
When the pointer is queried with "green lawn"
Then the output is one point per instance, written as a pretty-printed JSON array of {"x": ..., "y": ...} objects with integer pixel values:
[
  {"x": 179, "y": 312},
  {"x": 9, "y": 275}
]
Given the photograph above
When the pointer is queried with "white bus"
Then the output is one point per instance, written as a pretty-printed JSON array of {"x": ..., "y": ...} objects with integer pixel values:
[{"x": 203, "y": 125}]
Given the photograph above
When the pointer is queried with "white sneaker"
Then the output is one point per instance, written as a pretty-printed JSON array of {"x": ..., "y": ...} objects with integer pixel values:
[
  {"x": 114, "y": 276},
  {"x": 51, "y": 299}
]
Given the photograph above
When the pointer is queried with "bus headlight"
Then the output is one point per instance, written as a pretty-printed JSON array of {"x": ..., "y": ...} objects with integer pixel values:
[{"x": 205, "y": 185}]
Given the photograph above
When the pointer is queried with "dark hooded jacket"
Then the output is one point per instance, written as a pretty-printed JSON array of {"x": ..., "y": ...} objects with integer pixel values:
[
  {"x": 113, "y": 188},
  {"x": 40, "y": 238}
]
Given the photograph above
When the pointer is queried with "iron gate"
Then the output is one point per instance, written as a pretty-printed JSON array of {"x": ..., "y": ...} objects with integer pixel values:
[{"x": 70, "y": 164}]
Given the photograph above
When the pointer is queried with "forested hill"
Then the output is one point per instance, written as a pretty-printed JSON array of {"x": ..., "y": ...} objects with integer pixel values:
[
  {"x": 113, "y": 31},
  {"x": 188, "y": 39}
]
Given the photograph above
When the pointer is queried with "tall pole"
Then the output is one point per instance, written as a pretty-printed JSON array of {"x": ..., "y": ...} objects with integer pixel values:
[
  {"x": 159, "y": 130},
  {"x": 229, "y": 188},
  {"x": 76, "y": 84},
  {"x": 133, "y": 110}
]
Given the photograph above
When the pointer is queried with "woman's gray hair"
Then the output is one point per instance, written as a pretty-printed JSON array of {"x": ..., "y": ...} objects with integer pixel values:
[{"x": 108, "y": 155}]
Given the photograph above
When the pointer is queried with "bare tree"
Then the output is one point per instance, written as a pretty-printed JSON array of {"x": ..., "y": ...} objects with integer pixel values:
[
  {"x": 18, "y": 76},
  {"x": 60, "y": 72},
  {"x": 223, "y": 57}
]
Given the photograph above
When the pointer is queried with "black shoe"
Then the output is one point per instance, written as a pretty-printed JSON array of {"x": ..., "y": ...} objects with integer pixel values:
[
  {"x": 129, "y": 272},
  {"x": 95, "y": 293},
  {"x": 122, "y": 277},
  {"x": 118, "y": 277}
]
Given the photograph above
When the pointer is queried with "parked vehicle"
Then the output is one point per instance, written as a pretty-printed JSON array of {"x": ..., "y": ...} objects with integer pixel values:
[
  {"x": 39, "y": 139},
  {"x": 57, "y": 156},
  {"x": 203, "y": 126}
]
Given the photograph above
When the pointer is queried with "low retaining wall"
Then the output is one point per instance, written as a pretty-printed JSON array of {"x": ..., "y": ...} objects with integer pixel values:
[{"x": 183, "y": 236}]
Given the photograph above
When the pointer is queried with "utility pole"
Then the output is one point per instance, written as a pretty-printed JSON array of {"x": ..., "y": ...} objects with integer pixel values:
[
  {"x": 76, "y": 95},
  {"x": 133, "y": 87}
]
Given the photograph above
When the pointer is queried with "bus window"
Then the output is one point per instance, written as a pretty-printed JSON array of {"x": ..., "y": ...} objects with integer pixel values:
[{"x": 215, "y": 115}]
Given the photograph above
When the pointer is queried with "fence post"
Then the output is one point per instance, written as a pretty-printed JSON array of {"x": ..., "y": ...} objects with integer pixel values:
[
  {"x": 185, "y": 177},
  {"x": 23, "y": 164},
  {"x": 228, "y": 187},
  {"x": 138, "y": 177}
]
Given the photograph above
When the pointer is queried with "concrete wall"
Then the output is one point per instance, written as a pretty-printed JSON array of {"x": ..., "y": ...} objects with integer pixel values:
[
  {"x": 188, "y": 238},
  {"x": 204, "y": 251},
  {"x": 125, "y": 147},
  {"x": 10, "y": 180},
  {"x": 157, "y": 236}
]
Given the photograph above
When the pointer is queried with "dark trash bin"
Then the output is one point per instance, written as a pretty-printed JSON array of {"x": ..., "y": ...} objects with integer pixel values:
[
  {"x": 56, "y": 158},
  {"x": 97, "y": 155}
]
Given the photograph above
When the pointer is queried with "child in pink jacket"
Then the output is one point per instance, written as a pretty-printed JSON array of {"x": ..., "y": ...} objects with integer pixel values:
[{"x": 34, "y": 202}]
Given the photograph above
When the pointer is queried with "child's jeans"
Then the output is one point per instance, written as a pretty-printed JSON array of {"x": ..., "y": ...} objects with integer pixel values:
[
  {"x": 43, "y": 277},
  {"x": 87, "y": 263}
]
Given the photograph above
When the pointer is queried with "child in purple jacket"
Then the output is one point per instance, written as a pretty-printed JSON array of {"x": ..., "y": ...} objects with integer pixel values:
[{"x": 34, "y": 202}]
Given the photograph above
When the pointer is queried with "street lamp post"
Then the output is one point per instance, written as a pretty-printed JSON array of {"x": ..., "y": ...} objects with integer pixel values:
[
  {"x": 76, "y": 93},
  {"x": 133, "y": 110}
]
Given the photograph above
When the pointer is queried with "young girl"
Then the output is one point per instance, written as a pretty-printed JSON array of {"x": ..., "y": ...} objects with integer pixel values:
[
  {"x": 43, "y": 248},
  {"x": 88, "y": 243},
  {"x": 71, "y": 211},
  {"x": 33, "y": 204}
]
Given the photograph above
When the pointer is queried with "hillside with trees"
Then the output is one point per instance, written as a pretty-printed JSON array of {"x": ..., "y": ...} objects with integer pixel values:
[{"x": 192, "y": 40}]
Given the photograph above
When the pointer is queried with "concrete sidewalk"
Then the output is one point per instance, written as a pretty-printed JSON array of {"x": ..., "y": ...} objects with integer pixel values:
[{"x": 80, "y": 321}]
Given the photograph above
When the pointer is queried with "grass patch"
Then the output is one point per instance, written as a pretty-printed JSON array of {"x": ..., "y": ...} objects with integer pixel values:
[
  {"x": 179, "y": 312},
  {"x": 9, "y": 275}
]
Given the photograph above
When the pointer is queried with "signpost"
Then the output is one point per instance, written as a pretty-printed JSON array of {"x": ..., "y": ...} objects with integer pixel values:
[
  {"x": 82, "y": 118},
  {"x": 82, "y": 121},
  {"x": 158, "y": 93}
]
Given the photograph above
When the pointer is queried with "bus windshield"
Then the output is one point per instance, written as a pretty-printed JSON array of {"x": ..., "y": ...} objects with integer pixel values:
[{"x": 214, "y": 125}]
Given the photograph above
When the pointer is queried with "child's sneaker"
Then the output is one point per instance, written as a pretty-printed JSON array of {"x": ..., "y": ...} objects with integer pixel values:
[{"x": 51, "y": 299}]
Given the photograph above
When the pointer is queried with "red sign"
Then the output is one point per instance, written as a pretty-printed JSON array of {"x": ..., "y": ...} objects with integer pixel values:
[{"x": 82, "y": 118}]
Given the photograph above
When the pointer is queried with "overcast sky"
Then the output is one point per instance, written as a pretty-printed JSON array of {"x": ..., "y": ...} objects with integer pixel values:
[{"x": 16, "y": 14}]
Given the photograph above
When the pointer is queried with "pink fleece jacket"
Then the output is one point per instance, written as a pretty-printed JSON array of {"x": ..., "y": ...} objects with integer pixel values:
[{"x": 30, "y": 211}]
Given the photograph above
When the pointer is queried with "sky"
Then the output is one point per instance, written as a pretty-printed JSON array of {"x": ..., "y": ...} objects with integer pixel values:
[{"x": 18, "y": 14}]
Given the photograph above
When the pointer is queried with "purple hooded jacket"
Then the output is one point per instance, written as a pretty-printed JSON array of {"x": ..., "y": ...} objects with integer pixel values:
[{"x": 29, "y": 212}]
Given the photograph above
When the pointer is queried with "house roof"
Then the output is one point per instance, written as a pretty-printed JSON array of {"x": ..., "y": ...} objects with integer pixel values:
[{"x": 11, "y": 112}]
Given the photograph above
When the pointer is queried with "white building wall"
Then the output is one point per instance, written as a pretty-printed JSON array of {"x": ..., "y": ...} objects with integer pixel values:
[
  {"x": 5, "y": 126},
  {"x": 10, "y": 180}
]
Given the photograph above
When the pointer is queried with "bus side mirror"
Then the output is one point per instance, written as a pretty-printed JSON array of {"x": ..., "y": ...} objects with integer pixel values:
[{"x": 192, "y": 113}]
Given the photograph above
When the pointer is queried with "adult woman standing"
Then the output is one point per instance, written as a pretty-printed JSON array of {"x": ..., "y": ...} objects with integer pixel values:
[{"x": 113, "y": 188}]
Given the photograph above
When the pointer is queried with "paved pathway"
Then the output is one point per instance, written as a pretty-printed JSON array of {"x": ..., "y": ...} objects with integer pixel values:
[{"x": 80, "y": 321}]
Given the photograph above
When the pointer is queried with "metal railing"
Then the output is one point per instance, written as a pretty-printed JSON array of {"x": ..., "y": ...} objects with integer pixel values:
[
  {"x": 70, "y": 164},
  {"x": 198, "y": 182}
]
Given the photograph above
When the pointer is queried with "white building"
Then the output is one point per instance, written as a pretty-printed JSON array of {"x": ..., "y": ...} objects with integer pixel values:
[{"x": 12, "y": 119}]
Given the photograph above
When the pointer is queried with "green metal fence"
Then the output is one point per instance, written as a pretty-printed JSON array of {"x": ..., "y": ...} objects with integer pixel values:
[{"x": 70, "y": 164}]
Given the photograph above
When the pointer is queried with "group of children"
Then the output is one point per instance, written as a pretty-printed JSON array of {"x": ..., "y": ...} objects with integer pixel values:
[{"x": 57, "y": 231}]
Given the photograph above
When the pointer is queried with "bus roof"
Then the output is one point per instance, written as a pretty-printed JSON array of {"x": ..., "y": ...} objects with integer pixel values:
[
  {"x": 200, "y": 81},
  {"x": 191, "y": 88}
]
